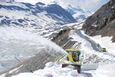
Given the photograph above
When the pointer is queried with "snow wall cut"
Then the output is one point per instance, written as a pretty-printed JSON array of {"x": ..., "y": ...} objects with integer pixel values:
[{"x": 25, "y": 51}]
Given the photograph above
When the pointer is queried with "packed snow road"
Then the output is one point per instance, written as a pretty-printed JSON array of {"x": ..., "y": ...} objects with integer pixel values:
[
  {"x": 91, "y": 49},
  {"x": 93, "y": 44}
]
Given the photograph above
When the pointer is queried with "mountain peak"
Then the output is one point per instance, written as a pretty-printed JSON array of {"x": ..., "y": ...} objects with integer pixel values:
[
  {"x": 40, "y": 3},
  {"x": 39, "y": 15}
]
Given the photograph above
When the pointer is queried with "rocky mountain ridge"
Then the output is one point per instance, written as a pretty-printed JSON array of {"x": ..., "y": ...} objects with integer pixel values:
[{"x": 102, "y": 22}]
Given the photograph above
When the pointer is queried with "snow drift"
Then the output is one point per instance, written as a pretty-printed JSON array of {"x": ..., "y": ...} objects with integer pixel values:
[
  {"x": 25, "y": 51},
  {"x": 107, "y": 70},
  {"x": 51, "y": 70}
]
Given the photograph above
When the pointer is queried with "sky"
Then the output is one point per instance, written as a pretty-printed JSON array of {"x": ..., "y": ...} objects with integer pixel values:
[{"x": 91, "y": 5}]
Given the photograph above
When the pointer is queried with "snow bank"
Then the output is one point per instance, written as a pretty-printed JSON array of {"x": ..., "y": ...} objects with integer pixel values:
[
  {"x": 105, "y": 71},
  {"x": 19, "y": 47},
  {"x": 51, "y": 70}
]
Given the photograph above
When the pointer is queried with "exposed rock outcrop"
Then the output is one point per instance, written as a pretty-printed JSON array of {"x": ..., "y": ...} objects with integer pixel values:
[
  {"x": 63, "y": 39},
  {"x": 102, "y": 22}
]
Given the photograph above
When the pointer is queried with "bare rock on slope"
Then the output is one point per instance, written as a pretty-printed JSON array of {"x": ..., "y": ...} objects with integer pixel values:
[{"x": 102, "y": 22}]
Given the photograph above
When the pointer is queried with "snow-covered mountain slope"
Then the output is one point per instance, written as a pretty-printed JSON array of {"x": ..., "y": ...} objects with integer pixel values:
[
  {"x": 6, "y": 0},
  {"x": 102, "y": 22},
  {"x": 78, "y": 13},
  {"x": 22, "y": 47},
  {"x": 25, "y": 50},
  {"x": 28, "y": 9},
  {"x": 40, "y": 18}
]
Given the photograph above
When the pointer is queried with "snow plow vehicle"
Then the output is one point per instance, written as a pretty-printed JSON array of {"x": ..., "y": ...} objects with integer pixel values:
[{"x": 73, "y": 59}]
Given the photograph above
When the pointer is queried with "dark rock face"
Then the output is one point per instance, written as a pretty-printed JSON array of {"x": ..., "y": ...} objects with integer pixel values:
[
  {"x": 102, "y": 22},
  {"x": 62, "y": 38}
]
